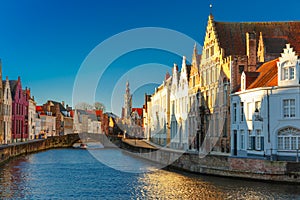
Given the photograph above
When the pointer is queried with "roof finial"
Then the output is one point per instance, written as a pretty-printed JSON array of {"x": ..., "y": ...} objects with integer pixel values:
[{"x": 210, "y": 8}]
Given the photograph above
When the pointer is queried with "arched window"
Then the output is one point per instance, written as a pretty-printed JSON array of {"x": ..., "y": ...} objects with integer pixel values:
[{"x": 288, "y": 139}]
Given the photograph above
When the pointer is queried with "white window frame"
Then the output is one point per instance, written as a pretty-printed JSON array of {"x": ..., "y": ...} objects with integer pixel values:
[
  {"x": 289, "y": 108},
  {"x": 242, "y": 139},
  {"x": 258, "y": 137},
  {"x": 242, "y": 113},
  {"x": 288, "y": 139},
  {"x": 288, "y": 73},
  {"x": 234, "y": 113}
]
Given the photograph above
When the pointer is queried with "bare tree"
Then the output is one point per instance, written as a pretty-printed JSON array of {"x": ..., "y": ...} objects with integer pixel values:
[
  {"x": 84, "y": 106},
  {"x": 99, "y": 106}
]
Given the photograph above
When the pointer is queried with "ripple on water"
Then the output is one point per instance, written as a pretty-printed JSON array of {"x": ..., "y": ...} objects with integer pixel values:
[{"x": 76, "y": 174}]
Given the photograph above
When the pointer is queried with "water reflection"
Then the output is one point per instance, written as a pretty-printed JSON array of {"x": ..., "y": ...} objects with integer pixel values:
[
  {"x": 75, "y": 174},
  {"x": 178, "y": 185}
]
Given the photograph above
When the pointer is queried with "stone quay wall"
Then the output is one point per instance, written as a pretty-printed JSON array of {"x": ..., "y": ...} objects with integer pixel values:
[
  {"x": 221, "y": 165},
  {"x": 16, "y": 149}
]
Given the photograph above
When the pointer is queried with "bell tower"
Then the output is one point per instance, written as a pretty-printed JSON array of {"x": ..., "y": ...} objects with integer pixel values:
[{"x": 127, "y": 102}]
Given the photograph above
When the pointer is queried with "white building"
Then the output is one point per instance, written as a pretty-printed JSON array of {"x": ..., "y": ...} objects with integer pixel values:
[
  {"x": 179, "y": 106},
  {"x": 38, "y": 125},
  {"x": 7, "y": 111},
  {"x": 31, "y": 117},
  {"x": 48, "y": 124},
  {"x": 86, "y": 122},
  {"x": 158, "y": 110},
  {"x": 265, "y": 113}
]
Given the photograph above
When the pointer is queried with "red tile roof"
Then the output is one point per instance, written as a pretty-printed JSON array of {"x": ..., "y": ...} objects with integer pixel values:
[
  {"x": 268, "y": 73},
  {"x": 71, "y": 113},
  {"x": 232, "y": 35},
  {"x": 99, "y": 113},
  {"x": 39, "y": 109},
  {"x": 138, "y": 110}
]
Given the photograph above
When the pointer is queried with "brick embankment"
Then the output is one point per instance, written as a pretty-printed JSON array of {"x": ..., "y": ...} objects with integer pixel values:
[
  {"x": 220, "y": 165},
  {"x": 16, "y": 149}
]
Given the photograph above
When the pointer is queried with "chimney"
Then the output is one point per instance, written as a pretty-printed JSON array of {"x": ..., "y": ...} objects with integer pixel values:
[{"x": 251, "y": 51}]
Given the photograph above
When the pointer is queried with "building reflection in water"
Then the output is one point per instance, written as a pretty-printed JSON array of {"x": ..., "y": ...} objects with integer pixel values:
[
  {"x": 174, "y": 185},
  {"x": 13, "y": 178}
]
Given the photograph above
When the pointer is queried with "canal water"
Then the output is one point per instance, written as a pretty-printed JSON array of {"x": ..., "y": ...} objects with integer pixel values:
[{"x": 76, "y": 174}]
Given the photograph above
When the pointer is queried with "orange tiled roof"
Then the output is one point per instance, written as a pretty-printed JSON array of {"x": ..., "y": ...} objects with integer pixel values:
[
  {"x": 232, "y": 35},
  {"x": 39, "y": 109},
  {"x": 268, "y": 73},
  {"x": 138, "y": 110},
  {"x": 71, "y": 113},
  {"x": 99, "y": 113}
]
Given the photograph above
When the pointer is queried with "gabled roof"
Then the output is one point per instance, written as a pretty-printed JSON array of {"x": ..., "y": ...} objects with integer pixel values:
[
  {"x": 61, "y": 107},
  {"x": 275, "y": 45},
  {"x": 39, "y": 109},
  {"x": 90, "y": 113},
  {"x": 138, "y": 110},
  {"x": 13, "y": 86},
  {"x": 99, "y": 113},
  {"x": 268, "y": 73},
  {"x": 232, "y": 35}
]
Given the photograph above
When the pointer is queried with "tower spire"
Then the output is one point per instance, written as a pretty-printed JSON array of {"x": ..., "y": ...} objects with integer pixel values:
[{"x": 195, "y": 56}]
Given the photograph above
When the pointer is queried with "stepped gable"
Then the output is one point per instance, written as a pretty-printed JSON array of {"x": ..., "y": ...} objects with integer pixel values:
[
  {"x": 138, "y": 110},
  {"x": 232, "y": 35}
]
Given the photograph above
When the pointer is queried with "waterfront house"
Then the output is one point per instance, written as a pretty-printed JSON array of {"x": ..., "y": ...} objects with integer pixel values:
[
  {"x": 45, "y": 123},
  {"x": 265, "y": 114},
  {"x": 229, "y": 49},
  {"x": 158, "y": 113},
  {"x": 19, "y": 111},
  {"x": 194, "y": 120},
  {"x": 31, "y": 115},
  {"x": 86, "y": 121},
  {"x": 179, "y": 106},
  {"x": 147, "y": 116},
  {"x": 7, "y": 112},
  {"x": 64, "y": 120}
]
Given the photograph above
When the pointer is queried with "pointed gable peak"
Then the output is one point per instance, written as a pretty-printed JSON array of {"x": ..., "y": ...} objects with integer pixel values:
[
  {"x": 175, "y": 68},
  {"x": 195, "y": 48},
  {"x": 183, "y": 64}
]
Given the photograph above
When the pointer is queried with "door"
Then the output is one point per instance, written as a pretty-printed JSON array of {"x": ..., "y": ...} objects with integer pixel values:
[{"x": 234, "y": 142}]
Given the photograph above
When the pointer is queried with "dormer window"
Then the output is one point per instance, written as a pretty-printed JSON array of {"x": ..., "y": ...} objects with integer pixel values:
[
  {"x": 288, "y": 73},
  {"x": 288, "y": 67}
]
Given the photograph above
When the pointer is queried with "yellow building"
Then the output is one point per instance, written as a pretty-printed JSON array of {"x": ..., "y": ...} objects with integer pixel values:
[
  {"x": 194, "y": 121},
  {"x": 229, "y": 49}
]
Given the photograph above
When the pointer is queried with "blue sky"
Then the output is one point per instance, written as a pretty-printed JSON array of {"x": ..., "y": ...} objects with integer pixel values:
[{"x": 45, "y": 42}]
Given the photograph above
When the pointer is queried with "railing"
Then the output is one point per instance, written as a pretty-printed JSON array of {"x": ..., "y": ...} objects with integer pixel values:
[{"x": 297, "y": 151}]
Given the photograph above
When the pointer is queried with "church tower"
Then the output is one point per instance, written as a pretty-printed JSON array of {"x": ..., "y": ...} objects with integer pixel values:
[{"x": 127, "y": 102}]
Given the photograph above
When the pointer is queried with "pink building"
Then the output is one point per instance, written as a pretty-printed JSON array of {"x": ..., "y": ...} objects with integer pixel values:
[{"x": 19, "y": 111}]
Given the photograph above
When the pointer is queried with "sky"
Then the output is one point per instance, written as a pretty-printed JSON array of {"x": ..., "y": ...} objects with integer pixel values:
[{"x": 46, "y": 42}]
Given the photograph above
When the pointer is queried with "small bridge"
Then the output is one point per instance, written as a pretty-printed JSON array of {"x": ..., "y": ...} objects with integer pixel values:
[{"x": 90, "y": 137}]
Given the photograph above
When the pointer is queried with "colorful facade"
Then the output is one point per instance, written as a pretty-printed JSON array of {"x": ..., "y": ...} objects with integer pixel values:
[{"x": 19, "y": 111}]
